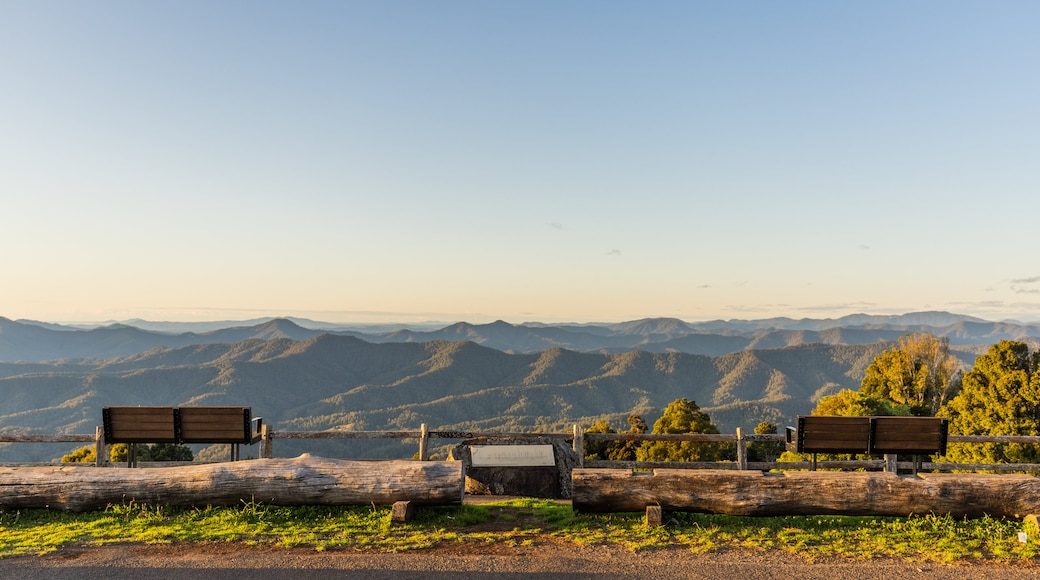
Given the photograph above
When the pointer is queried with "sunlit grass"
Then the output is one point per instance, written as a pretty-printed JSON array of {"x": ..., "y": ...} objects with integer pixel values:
[{"x": 518, "y": 523}]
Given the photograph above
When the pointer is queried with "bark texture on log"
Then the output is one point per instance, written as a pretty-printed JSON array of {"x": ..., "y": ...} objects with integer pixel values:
[
  {"x": 305, "y": 480},
  {"x": 753, "y": 493}
]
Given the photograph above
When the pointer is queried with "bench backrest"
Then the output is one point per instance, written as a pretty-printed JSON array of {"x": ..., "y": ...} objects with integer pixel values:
[
  {"x": 180, "y": 425},
  {"x": 880, "y": 435},
  {"x": 833, "y": 434},
  {"x": 216, "y": 425},
  {"x": 909, "y": 435},
  {"x": 140, "y": 424}
]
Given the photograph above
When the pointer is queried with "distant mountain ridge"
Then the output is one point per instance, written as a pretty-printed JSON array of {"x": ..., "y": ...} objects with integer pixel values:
[{"x": 29, "y": 341}]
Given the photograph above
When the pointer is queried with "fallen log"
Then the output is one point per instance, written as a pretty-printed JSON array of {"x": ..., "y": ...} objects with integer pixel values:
[
  {"x": 753, "y": 493},
  {"x": 305, "y": 480}
]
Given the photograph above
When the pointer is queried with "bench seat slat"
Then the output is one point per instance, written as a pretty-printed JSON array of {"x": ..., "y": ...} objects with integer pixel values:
[{"x": 835, "y": 420}]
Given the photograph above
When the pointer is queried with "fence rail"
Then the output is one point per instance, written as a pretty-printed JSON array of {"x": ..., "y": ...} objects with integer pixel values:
[{"x": 578, "y": 438}]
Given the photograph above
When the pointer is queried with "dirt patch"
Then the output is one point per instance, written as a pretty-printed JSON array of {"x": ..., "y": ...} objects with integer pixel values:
[{"x": 505, "y": 519}]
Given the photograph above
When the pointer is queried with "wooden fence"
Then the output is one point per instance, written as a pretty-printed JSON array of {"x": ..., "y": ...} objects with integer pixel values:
[{"x": 578, "y": 437}]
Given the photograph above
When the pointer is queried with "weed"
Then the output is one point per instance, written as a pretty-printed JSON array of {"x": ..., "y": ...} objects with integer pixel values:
[{"x": 927, "y": 537}]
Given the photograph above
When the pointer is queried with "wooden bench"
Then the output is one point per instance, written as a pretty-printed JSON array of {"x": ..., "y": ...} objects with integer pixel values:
[
  {"x": 868, "y": 435},
  {"x": 178, "y": 425}
]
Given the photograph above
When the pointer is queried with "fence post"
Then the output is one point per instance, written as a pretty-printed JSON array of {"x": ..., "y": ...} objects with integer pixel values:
[
  {"x": 741, "y": 449},
  {"x": 890, "y": 463},
  {"x": 424, "y": 443},
  {"x": 266, "y": 441},
  {"x": 100, "y": 457},
  {"x": 578, "y": 445}
]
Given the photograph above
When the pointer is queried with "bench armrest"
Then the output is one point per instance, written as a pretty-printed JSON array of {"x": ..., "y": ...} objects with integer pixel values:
[
  {"x": 792, "y": 438},
  {"x": 256, "y": 430}
]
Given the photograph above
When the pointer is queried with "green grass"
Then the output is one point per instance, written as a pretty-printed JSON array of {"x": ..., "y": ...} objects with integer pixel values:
[{"x": 518, "y": 523}]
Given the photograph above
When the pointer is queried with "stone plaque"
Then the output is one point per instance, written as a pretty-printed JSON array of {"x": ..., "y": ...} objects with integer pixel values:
[{"x": 512, "y": 455}]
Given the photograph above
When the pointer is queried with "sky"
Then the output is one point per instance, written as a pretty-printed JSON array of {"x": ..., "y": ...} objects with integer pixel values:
[{"x": 407, "y": 161}]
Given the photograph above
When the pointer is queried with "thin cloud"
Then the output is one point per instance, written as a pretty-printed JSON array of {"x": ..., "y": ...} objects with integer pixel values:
[
  {"x": 555, "y": 225},
  {"x": 1016, "y": 285},
  {"x": 614, "y": 252},
  {"x": 746, "y": 309},
  {"x": 841, "y": 307}
]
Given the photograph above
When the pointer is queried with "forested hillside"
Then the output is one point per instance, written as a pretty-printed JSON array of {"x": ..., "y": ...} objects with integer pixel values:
[{"x": 339, "y": 382}]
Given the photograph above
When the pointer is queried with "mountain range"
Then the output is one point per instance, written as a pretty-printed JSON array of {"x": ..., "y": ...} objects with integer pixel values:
[
  {"x": 461, "y": 377},
  {"x": 34, "y": 341}
]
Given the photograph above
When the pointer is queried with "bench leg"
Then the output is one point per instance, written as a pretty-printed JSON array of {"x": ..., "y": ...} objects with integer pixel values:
[
  {"x": 813, "y": 468},
  {"x": 131, "y": 455}
]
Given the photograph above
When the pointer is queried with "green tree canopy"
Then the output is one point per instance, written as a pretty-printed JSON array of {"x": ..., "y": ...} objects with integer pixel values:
[
  {"x": 765, "y": 450},
  {"x": 598, "y": 449},
  {"x": 682, "y": 416},
  {"x": 857, "y": 404},
  {"x": 628, "y": 450},
  {"x": 157, "y": 452},
  {"x": 1000, "y": 395},
  {"x": 919, "y": 372},
  {"x": 85, "y": 454},
  {"x": 614, "y": 450}
]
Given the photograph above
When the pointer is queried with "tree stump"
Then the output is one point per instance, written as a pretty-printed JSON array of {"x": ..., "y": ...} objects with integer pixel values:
[{"x": 402, "y": 512}]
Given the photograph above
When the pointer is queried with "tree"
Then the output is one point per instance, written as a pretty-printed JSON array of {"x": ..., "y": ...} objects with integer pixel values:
[
  {"x": 858, "y": 404},
  {"x": 765, "y": 450},
  {"x": 682, "y": 416},
  {"x": 598, "y": 449},
  {"x": 999, "y": 396},
  {"x": 86, "y": 454},
  {"x": 117, "y": 453},
  {"x": 157, "y": 452},
  {"x": 628, "y": 450},
  {"x": 170, "y": 452},
  {"x": 614, "y": 450},
  {"x": 919, "y": 373}
]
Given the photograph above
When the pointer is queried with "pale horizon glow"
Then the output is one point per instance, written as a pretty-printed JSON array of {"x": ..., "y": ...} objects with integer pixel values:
[{"x": 404, "y": 161}]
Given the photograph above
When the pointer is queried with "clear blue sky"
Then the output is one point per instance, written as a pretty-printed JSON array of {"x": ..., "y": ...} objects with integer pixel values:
[{"x": 552, "y": 161}]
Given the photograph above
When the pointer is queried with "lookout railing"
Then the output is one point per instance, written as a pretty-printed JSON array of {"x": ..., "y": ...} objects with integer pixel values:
[{"x": 578, "y": 437}]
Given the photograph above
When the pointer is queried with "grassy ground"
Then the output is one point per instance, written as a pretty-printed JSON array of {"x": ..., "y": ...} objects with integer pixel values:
[{"x": 519, "y": 522}]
